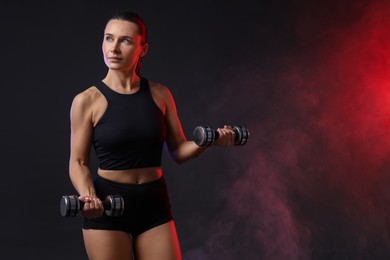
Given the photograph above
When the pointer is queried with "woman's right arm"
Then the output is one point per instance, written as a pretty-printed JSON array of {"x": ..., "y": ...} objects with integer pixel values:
[{"x": 80, "y": 145}]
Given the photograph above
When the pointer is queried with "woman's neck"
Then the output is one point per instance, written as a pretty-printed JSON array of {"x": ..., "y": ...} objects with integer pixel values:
[{"x": 123, "y": 82}]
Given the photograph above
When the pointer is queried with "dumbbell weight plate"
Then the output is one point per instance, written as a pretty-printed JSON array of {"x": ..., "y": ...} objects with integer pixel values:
[
  {"x": 69, "y": 206},
  {"x": 204, "y": 135},
  {"x": 242, "y": 135},
  {"x": 116, "y": 207}
]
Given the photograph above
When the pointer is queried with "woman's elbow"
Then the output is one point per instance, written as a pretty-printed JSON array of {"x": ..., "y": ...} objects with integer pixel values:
[
  {"x": 178, "y": 159},
  {"x": 182, "y": 158}
]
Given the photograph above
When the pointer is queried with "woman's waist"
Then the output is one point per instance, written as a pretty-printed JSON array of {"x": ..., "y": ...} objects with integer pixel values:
[{"x": 132, "y": 176}]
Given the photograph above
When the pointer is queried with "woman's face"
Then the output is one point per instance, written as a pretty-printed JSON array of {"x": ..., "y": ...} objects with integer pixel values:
[{"x": 122, "y": 45}]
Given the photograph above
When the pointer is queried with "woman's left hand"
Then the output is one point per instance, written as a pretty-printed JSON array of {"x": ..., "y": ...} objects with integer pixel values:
[{"x": 226, "y": 136}]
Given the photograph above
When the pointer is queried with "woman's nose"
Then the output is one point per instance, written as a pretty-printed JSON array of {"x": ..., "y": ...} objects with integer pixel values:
[{"x": 114, "y": 48}]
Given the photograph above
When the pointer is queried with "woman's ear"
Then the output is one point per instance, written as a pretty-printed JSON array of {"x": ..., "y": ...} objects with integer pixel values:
[{"x": 144, "y": 50}]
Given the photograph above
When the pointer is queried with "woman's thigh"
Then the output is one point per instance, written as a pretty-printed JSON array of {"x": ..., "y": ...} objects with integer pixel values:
[
  {"x": 107, "y": 244},
  {"x": 158, "y": 243}
]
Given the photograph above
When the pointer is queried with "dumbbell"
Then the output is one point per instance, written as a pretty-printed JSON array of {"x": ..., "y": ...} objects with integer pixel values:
[
  {"x": 70, "y": 205},
  {"x": 205, "y": 135}
]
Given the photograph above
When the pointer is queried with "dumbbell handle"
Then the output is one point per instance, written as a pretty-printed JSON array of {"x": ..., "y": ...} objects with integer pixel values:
[
  {"x": 216, "y": 134},
  {"x": 106, "y": 205}
]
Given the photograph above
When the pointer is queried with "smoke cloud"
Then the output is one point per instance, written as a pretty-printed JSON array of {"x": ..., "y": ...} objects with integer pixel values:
[{"x": 312, "y": 182}]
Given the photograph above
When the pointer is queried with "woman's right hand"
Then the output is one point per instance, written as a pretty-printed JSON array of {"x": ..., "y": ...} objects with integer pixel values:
[{"x": 93, "y": 207}]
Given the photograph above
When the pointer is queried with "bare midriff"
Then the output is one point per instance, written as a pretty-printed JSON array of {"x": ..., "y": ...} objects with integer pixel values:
[{"x": 132, "y": 176}]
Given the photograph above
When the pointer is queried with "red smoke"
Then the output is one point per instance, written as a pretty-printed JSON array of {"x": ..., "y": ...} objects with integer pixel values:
[{"x": 313, "y": 181}]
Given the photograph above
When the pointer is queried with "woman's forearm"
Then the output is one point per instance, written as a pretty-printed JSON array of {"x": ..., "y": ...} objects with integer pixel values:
[{"x": 81, "y": 178}]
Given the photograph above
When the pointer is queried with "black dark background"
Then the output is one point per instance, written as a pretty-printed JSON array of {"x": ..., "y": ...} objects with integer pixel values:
[{"x": 308, "y": 78}]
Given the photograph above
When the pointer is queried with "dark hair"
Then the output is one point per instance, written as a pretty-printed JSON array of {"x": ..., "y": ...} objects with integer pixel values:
[{"x": 134, "y": 18}]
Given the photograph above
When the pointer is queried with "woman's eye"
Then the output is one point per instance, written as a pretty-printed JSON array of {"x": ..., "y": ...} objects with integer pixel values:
[
  {"x": 108, "y": 38},
  {"x": 127, "y": 41}
]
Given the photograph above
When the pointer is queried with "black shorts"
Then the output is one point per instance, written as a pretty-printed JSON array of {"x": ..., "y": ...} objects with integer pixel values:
[{"x": 147, "y": 205}]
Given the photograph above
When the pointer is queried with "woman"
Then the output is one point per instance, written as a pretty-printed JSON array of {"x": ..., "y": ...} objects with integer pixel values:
[{"x": 128, "y": 119}]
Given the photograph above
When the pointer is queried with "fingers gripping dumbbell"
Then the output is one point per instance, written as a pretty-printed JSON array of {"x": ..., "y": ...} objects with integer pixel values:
[
  {"x": 205, "y": 135},
  {"x": 71, "y": 205}
]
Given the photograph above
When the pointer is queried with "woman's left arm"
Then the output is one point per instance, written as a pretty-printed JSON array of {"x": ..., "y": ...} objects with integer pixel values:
[{"x": 180, "y": 149}]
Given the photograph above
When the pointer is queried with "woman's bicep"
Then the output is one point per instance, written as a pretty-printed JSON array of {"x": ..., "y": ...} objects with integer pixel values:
[
  {"x": 175, "y": 134},
  {"x": 177, "y": 145}
]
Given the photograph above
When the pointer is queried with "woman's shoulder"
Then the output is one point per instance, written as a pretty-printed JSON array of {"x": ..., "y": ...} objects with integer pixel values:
[
  {"x": 159, "y": 89},
  {"x": 87, "y": 97},
  {"x": 156, "y": 85}
]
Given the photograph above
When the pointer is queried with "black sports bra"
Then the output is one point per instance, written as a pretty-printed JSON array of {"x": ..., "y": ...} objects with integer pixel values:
[{"x": 132, "y": 131}]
